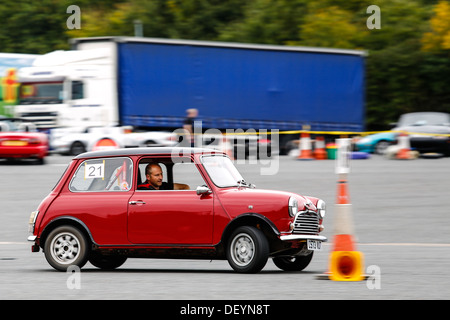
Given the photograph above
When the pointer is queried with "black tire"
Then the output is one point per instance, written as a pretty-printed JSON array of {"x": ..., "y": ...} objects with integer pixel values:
[
  {"x": 247, "y": 250},
  {"x": 107, "y": 262},
  {"x": 66, "y": 246},
  {"x": 297, "y": 263},
  {"x": 381, "y": 147},
  {"x": 77, "y": 148}
]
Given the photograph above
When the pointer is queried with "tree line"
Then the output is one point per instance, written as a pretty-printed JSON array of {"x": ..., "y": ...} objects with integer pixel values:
[{"x": 407, "y": 66}]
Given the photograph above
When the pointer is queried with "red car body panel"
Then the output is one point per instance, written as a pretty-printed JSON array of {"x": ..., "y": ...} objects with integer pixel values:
[
  {"x": 191, "y": 218},
  {"x": 107, "y": 226},
  {"x": 263, "y": 202}
]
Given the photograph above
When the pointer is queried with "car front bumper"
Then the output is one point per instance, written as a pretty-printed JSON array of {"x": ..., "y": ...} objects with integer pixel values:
[
  {"x": 430, "y": 144},
  {"x": 23, "y": 152},
  {"x": 291, "y": 237}
]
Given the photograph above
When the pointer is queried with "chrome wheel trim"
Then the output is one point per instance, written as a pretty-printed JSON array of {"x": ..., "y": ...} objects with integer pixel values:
[
  {"x": 242, "y": 249},
  {"x": 65, "y": 248}
]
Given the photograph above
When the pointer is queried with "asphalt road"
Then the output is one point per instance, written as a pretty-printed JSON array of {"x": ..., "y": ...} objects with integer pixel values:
[{"x": 402, "y": 225}]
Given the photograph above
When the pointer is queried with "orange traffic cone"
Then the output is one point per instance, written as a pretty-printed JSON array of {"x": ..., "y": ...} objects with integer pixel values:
[
  {"x": 405, "y": 149},
  {"x": 319, "y": 150},
  {"x": 305, "y": 147},
  {"x": 345, "y": 263}
]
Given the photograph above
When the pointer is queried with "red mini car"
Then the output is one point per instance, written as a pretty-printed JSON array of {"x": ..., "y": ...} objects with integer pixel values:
[
  {"x": 20, "y": 140},
  {"x": 171, "y": 203}
]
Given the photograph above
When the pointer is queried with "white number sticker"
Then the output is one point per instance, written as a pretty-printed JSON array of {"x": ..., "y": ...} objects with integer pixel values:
[{"x": 95, "y": 170}]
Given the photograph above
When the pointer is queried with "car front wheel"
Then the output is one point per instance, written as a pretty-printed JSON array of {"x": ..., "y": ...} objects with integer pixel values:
[
  {"x": 297, "y": 263},
  {"x": 248, "y": 250},
  {"x": 381, "y": 147},
  {"x": 66, "y": 246}
]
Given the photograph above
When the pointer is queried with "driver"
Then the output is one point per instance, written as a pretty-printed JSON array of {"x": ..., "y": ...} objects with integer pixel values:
[{"x": 154, "y": 181}]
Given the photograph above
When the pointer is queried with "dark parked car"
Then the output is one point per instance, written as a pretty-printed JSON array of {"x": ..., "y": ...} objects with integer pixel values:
[{"x": 428, "y": 131}]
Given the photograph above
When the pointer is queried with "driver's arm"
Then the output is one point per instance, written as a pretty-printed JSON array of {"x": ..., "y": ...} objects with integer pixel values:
[{"x": 181, "y": 186}]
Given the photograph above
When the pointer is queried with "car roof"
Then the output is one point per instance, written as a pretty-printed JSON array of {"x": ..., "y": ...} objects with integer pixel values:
[{"x": 147, "y": 151}]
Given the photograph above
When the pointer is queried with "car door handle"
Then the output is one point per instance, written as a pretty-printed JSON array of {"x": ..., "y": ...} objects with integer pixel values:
[{"x": 136, "y": 202}]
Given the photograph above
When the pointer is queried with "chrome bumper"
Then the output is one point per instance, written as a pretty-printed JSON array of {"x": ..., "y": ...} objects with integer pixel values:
[{"x": 290, "y": 237}]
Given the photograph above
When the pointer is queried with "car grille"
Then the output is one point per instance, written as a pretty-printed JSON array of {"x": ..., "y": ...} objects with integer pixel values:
[
  {"x": 41, "y": 119},
  {"x": 306, "y": 222}
]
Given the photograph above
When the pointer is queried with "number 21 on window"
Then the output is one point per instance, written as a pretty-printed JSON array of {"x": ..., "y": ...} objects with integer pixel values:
[{"x": 95, "y": 170}]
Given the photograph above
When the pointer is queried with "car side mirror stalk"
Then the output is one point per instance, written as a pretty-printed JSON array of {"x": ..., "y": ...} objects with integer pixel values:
[{"x": 203, "y": 190}]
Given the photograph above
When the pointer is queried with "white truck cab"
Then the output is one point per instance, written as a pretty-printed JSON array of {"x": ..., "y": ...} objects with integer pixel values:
[{"x": 69, "y": 88}]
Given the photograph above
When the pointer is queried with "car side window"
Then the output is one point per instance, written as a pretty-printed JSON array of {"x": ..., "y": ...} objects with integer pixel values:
[
  {"x": 103, "y": 175},
  {"x": 178, "y": 174},
  {"x": 187, "y": 173}
]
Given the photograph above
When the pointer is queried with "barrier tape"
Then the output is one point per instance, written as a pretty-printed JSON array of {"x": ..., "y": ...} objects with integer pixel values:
[{"x": 360, "y": 133}]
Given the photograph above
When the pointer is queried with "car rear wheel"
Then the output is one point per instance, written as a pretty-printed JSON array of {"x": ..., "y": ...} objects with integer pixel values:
[
  {"x": 247, "y": 250},
  {"x": 297, "y": 263},
  {"x": 66, "y": 246}
]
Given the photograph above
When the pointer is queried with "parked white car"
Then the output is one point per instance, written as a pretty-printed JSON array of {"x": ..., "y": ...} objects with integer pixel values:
[{"x": 77, "y": 140}]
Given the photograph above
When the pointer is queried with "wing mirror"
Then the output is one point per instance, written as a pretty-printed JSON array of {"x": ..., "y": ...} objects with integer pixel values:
[{"x": 203, "y": 190}]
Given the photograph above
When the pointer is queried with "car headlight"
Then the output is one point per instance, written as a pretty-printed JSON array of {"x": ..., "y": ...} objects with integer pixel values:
[
  {"x": 293, "y": 206},
  {"x": 32, "y": 221},
  {"x": 321, "y": 208}
]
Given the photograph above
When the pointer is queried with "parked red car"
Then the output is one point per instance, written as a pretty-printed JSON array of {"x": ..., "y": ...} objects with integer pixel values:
[
  {"x": 21, "y": 140},
  {"x": 98, "y": 213}
]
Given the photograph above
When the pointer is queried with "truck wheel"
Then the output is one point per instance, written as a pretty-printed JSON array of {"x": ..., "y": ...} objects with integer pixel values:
[
  {"x": 107, "y": 262},
  {"x": 247, "y": 250},
  {"x": 297, "y": 263},
  {"x": 66, "y": 246}
]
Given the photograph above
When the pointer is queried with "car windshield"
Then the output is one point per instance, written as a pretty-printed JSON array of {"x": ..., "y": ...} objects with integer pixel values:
[
  {"x": 424, "y": 119},
  {"x": 41, "y": 93},
  {"x": 222, "y": 171}
]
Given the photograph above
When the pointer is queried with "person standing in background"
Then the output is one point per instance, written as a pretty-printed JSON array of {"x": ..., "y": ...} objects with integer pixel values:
[{"x": 188, "y": 124}]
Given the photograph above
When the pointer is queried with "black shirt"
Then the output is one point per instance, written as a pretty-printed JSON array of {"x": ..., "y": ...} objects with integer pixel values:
[
  {"x": 147, "y": 186},
  {"x": 189, "y": 121}
]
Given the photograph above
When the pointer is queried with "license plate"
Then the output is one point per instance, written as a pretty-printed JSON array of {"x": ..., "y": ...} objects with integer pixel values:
[
  {"x": 13, "y": 143},
  {"x": 314, "y": 245}
]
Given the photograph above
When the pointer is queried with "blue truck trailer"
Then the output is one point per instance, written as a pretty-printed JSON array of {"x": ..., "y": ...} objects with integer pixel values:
[
  {"x": 237, "y": 85},
  {"x": 233, "y": 85}
]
